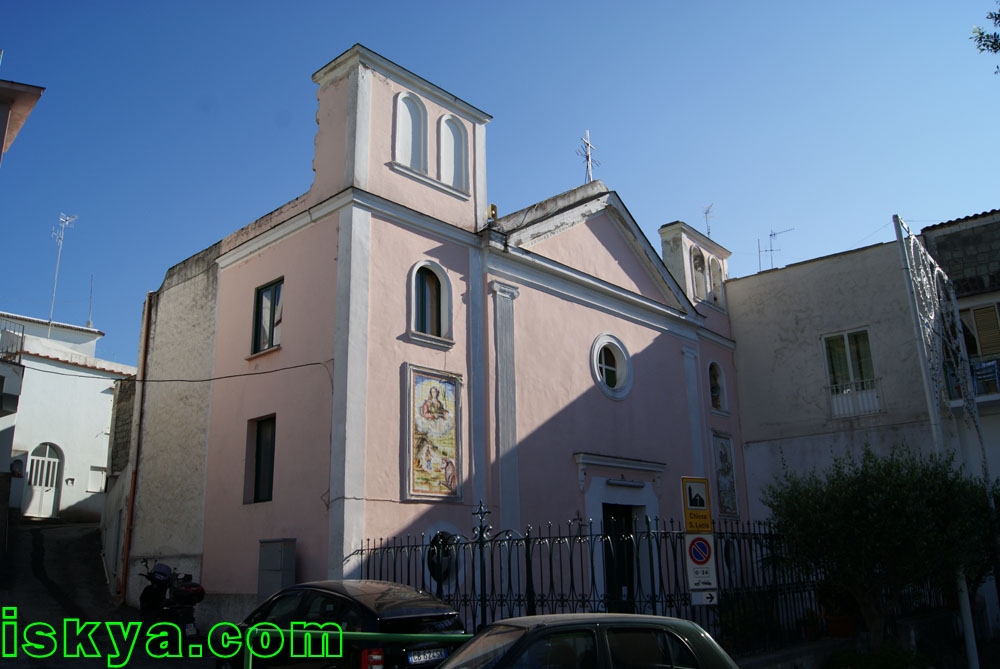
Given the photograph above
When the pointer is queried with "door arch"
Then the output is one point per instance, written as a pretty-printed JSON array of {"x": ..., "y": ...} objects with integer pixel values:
[{"x": 45, "y": 466}]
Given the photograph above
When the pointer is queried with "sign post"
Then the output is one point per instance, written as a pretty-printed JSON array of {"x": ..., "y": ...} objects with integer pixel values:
[
  {"x": 699, "y": 543},
  {"x": 697, "y": 507}
]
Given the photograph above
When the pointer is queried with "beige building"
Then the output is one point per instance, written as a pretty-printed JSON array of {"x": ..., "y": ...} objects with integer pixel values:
[{"x": 828, "y": 361}]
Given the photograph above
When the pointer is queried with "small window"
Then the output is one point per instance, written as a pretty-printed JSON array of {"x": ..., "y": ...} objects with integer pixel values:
[
  {"x": 698, "y": 274},
  {"x": 95, "y": 482},
  {"x": 611, "y": 366},
  {"x": 267, "y": 317},
  {"x": 411, "y": 133},
  {"x": 259, "y": 482},
  {"x": 430, "y": 305},
  {"x": 453, "y": 149},
  {"x": 717, "y": 387}
]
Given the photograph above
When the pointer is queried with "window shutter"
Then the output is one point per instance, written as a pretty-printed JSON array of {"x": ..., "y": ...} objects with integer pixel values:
[{"x": 988, "y": 329}]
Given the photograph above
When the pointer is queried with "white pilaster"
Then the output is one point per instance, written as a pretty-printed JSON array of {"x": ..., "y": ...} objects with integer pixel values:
[
  {"x": 359, "y": 100},
  {"x": 350, "y": 381},
  {"x": 691, "y": 368},
  {"x": 477, "y": 376},
  {"x": 506, "y": 404}
]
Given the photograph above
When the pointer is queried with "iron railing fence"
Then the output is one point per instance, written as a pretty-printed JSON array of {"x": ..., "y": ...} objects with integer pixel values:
[
  {"x": 762, "y": 604},
  {"x": 11, "y": 341}
]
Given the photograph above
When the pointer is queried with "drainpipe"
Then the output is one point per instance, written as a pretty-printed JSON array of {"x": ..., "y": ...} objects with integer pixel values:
[{"x": 140, "y": 378}]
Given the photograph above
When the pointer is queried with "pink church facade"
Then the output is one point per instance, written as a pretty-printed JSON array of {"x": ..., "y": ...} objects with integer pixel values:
[{"x": 385, "y": 354}]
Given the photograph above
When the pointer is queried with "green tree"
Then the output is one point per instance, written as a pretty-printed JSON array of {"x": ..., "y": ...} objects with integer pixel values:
[
  {"x": 988, "y": 41},
  {"x": 876, "y": 526}
]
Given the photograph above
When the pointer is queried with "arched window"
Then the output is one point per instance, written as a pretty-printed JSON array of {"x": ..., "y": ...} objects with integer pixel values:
[
  {"x": 411, "y": 133},
  {"x": 718, "y": 297},
  {"x": 717, "y": 387},
  {"x": 430, "y": 305},
  {"x": 698, "y": 274},
  {"x": 453, "y": 149}
]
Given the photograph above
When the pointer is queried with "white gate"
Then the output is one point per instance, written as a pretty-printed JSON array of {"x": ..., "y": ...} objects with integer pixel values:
[{"x": 44, "y": 473}]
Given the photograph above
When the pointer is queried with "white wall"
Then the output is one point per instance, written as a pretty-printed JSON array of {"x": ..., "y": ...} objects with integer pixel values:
[{"x": 70, "y": 406}]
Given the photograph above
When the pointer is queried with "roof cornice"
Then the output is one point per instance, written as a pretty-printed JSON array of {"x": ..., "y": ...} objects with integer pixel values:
[{"x": 341, "y": 65}]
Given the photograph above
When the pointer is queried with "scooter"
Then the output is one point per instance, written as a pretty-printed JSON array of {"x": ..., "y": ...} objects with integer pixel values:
[{"x": 170, "y": 597}]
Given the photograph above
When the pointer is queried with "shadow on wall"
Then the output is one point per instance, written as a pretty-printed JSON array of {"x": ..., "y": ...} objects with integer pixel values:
[{"x": 651, "y": 423}]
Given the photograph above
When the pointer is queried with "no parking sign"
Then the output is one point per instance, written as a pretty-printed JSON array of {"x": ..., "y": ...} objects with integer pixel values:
[{"x": 699, "y": 556}]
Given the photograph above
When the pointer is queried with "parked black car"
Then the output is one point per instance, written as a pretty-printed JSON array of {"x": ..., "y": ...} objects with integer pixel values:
[
  {"x": 591, "y": 641},
  {"x": 358, "y": 606}
]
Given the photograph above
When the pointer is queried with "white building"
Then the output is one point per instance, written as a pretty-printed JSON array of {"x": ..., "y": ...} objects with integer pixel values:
[{"x": 59, "y": 449}]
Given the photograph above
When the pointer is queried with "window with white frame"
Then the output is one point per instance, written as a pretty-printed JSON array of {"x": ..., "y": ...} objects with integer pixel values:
[
  {"x": 611, "y": 366},
  {"x": 453, "y": 161},
  {"x": 410, "y": 149},
  {"x": 430, "y": 305},
  {"x": 853, "y": 386},
  {"x": 267, "y": 316}
]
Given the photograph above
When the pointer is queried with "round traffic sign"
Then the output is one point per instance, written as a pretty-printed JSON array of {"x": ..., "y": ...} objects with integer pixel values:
[{"x": 700, "y": 551}]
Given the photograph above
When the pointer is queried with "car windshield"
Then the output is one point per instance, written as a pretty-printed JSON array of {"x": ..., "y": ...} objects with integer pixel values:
[{"x": 486, "y": 648}]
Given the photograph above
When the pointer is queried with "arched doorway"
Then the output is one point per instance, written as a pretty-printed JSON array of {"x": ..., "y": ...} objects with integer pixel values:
[{"x": 44, "y": 475}]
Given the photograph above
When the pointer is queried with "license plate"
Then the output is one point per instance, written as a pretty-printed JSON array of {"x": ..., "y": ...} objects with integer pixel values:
[{"x": 432, "y": 655}]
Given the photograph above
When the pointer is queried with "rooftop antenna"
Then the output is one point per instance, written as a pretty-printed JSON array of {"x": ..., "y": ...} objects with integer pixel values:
[
  {"x": 64, "y": 222},
  {"x": 584, "y": 152},
  {"x": 90, "y": 311},
  {"x": 770, "y": 248},
  {"x": 708, "y": 212}
]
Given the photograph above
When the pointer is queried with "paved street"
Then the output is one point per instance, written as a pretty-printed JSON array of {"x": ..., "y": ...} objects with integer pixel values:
[{"x": 53, "y": 572}]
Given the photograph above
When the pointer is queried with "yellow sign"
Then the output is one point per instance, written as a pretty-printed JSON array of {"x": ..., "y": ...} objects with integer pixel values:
[{"x": 697, "y": 508}]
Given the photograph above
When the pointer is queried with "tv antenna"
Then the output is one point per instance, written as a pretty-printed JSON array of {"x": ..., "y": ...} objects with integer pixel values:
[
  {"x": 708, "y": 212},
  {"x": 64, "y": 222},
  {"x": 585, "y": 152},
  {"x": 770, "y": 247}
]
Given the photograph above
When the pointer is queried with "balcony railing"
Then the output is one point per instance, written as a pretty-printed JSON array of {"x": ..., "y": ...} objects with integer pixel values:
[
  {"x": 985, "y": 371},
  {"x": 856, "y": 398},
  {"x": 11, "y": 341}
]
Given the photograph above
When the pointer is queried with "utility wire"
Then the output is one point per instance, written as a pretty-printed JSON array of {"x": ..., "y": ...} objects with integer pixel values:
[{"x": 212, "y": 378}]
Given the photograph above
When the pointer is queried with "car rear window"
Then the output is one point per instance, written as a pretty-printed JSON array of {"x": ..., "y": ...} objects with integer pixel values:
[
  {"x": 486, "y": 649},
  {"x": 445, "y": 624}
]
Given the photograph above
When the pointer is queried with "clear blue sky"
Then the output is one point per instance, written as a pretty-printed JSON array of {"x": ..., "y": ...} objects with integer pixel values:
[{"x": 166, "y": 126}]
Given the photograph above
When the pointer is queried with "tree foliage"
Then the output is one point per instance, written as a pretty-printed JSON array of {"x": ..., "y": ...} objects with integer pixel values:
[
  {"x": 877, "y": 525},
  {"x": 988, "y": 41}
]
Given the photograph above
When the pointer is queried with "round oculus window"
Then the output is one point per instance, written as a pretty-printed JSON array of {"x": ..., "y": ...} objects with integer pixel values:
[{"x": 611, "y": 366}]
